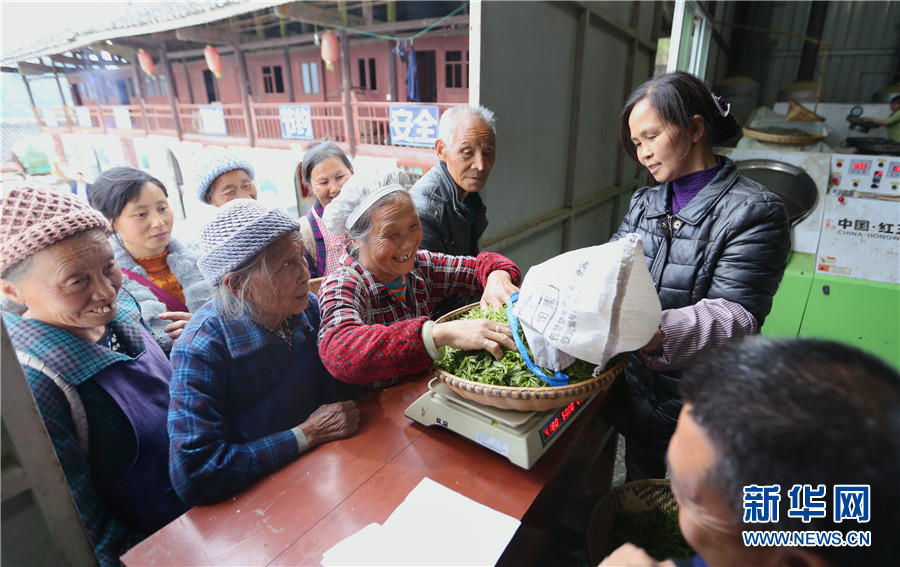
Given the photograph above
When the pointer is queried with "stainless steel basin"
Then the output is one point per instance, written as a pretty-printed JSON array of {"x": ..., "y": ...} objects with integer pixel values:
[{"x": 795, "y": 187}]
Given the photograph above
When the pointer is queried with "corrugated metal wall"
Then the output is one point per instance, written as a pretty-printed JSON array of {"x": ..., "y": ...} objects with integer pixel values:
[{"x": 863, "y": 47}]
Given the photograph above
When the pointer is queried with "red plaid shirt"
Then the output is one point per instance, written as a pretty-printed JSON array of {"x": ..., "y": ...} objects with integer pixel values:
[{"x": 391, "y": 347}]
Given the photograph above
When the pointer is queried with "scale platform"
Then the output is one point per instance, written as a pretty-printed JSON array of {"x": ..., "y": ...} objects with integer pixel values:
[{"x": 520, "y": 436}]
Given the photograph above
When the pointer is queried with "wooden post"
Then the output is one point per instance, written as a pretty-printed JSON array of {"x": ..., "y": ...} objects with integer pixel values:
[
  {"x": 244, "y": 82},
  {"x": 37, "y": 115},
  {"x": 170, "y": 91},
  {"x": 345, "y": 91},
  {"x": 139, "y": 87},
  {"x": 288, "y": 76},
  {"x": 392, "y": 71},
  {"x": 101, "y": 97},
  {"x": 187, "y": 81},
  {"x": 63, "y": 99}
]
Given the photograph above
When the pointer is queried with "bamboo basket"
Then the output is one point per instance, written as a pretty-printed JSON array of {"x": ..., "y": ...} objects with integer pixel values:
[
  {"x": 526, "y": 399},
  {"x": 632, "y": 497},
  {"x": 782, "y": 139},
  {"x": 798, "y": 112},
  {"x": 315, "y": 284}
]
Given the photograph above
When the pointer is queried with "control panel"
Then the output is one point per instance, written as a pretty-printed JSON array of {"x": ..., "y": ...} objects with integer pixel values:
[{"x": 863, "y": 176}]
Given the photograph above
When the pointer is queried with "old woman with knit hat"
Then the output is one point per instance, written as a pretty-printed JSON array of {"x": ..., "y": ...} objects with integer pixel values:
[
  {"x": 376, "y": 307},
  {"x": 223, "y": 176},
  {"x": 249, "y": 393},
  {"x": 100, "y": 380}
]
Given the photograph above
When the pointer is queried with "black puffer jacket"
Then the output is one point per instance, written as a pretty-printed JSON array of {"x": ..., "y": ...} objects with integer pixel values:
[
  {"x": 445, "y": 221},
  {"x": 731, "y": 241}
]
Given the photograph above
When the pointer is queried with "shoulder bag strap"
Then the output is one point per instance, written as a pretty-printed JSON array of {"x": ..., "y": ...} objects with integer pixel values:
[
  {"x": 76, "y": 407},
  {"x": 161, "y": 294}
]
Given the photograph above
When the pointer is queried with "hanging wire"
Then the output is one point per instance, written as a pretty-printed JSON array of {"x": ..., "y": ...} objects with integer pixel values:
[{"x": 407, "y": 38}]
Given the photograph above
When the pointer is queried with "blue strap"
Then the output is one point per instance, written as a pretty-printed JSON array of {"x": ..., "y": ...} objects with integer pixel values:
[{"x": 558, "y": 378}]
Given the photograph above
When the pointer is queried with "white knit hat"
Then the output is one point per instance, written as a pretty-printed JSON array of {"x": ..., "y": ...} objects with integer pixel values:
[
  {"x": 242, "y": 229},
  {"x": 213, "y": 163},
  {"x": 358, "y": 194}
]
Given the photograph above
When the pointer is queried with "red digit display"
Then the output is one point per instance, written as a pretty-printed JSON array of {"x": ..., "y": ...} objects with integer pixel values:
[
  {"x": 897, "y": 169},
  {"x": 860, "y": 165},
  {"x": 559, "y": 419}
]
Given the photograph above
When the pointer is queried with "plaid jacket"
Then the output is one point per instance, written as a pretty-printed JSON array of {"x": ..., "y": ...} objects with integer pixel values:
[
  {"x": 223, "y": 367},
  {"x": 113, "y": 447},
  {"x": 391, "y": 346}
]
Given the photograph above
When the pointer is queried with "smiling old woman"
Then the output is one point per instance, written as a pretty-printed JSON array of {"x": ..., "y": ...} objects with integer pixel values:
[
  {"x": 100, "y": 380},
  {"x": 376, "y": 307},
  {"x": 249, "y": 393}
]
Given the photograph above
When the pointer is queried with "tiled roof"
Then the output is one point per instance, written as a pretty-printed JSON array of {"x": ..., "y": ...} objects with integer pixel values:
[{"x": 141, "y": 18}]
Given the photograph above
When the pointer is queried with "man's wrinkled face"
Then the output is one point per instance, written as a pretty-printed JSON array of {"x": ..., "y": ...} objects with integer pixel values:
[{"x": 470, "y": 157}]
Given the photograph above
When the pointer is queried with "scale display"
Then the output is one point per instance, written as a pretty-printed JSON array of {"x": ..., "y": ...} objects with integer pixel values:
[{"x": 555, "y": 424}]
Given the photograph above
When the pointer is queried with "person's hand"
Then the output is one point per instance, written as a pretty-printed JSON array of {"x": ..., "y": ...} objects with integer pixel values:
[
  {"x": 630, "y": 555},
  {"x": 179, "y": 322},
  {"x": 331, "y": 422},
  {"x": 474, "y": 334},
  {"x": 498, "y": 289},
  {"x": 653, "y": 345}
]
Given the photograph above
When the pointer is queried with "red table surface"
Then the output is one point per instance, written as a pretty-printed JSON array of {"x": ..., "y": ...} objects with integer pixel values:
[{"x": 294, "y": 515}]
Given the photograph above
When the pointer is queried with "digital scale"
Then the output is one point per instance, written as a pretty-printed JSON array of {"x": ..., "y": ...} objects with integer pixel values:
[{"x": 521, "y": 436}]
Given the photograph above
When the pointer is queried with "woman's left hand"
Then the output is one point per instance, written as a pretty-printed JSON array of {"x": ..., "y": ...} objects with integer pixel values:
[
  {"x": 179, "y": 322},
  {"x": 498, "y": 289}
]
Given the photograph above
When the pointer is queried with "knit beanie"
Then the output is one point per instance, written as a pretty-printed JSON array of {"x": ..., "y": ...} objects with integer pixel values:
[
  {"x": 215, "y": 162},
  {"x": 242, "y": 229},
  {"x": 35, "y": 217}
]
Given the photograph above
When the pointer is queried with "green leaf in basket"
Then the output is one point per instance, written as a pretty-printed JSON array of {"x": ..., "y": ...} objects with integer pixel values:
[{"x": 480, "y": 365}]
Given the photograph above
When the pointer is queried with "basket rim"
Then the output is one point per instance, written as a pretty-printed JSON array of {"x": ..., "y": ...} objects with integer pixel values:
[
  {"x": 544, "y": 391},
  {"x": 494, "y": 390},
  {"x": 782, "y": 139}
]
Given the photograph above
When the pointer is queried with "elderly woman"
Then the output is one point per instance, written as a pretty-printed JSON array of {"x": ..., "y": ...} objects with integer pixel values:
[
  {"x": 376, "y": 308},
  {"x": 325, "y": 170},
  {"x": 223, "y": 177},
  {"x": 161, "y": 272},
  {"x": 249, "y": 393},
  {"x": 100, "y": 380}
]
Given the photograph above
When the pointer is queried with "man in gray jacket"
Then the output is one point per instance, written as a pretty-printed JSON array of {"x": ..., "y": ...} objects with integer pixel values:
[{"x": 450, "y": 209}]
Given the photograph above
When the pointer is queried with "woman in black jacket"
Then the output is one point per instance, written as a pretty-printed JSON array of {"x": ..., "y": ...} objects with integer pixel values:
[{"x": 716, "y": 244}]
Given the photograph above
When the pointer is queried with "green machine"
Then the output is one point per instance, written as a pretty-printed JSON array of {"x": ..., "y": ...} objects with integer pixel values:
[{"x": 843, "y": 277}]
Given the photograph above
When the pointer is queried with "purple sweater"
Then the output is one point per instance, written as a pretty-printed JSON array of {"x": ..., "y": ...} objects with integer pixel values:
[{"x": 686, "y": 188}]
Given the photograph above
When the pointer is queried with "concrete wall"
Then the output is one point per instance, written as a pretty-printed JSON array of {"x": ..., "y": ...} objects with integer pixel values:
[{"x": 557, "y": 74}]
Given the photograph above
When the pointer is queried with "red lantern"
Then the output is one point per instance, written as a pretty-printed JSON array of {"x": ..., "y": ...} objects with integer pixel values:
[
  {"x": 146, "y": 62},
  {"x": 329, "y": 49},
  {"x": 213, "y": 60}
]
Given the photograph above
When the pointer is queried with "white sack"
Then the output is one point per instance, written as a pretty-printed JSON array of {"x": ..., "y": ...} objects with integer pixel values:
[{"x": 591, "y": 304}]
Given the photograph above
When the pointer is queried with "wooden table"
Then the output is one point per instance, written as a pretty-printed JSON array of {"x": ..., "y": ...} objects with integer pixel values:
[{"x": 293, "y": 516}]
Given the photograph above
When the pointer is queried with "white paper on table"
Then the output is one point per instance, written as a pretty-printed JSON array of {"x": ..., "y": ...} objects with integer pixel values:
[{"x": 433, "y": 526}]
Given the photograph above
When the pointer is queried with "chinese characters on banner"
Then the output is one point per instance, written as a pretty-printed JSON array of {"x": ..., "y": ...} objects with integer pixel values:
[
  {"x": 212, "y": 120},
  {"x": 296, "y": 121},
  {"x": 414, "y": 125},
  {"x": 848, "y": 502}
]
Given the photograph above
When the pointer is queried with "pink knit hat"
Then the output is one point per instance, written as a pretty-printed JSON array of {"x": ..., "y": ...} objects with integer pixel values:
[{"x": 33, "y": 217}]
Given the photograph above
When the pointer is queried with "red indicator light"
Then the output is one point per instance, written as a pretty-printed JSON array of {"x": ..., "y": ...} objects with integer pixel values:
[
  {"x": 840, "y": 164},
  {"x": 841, "y": 199}
]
